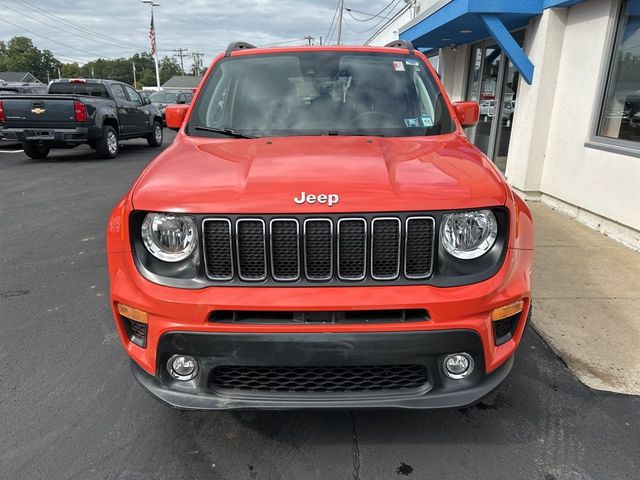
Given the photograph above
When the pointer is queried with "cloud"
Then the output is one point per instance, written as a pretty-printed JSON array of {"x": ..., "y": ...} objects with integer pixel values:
[{"x": 119, "y": 28}]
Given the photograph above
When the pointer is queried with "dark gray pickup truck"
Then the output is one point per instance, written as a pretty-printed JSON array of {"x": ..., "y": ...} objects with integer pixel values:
[{"x": 99, "y": 113}]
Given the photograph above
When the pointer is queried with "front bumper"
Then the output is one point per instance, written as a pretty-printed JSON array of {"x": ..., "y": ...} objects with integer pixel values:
[
  {"x": 214, "y": 350},
  {"x": 460, "y": 320}
]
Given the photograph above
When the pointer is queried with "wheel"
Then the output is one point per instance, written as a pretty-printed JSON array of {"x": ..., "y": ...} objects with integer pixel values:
[
  {"x": 107, "y": 146},
  {"x": 154, "y": 139},
  {"x": 35, "y": 150}
]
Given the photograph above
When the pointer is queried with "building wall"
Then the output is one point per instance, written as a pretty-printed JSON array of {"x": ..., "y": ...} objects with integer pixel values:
[
  {"x": 603, "y": 183},
  {"x": 549, "y": 158},
  {"x": 453, "y": 67},
  {"x": 390, "y": 31}
]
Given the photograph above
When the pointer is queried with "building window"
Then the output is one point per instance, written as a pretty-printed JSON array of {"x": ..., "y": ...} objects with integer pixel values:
[{"x": 620, "y": 117}]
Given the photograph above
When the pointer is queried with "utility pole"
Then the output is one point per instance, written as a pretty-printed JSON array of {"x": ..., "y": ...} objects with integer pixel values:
[
  {"x": 181, "y": 53},
  {"x": 59, "y": 76},
  {"x": 135, "y": 83},
  {"x": 152, "y": 36},
  {"x": 340, "y": 14},
  {"x": 309, "y": 39},
  {"x": 197, "y": 61},
  {"x": 93, "y": 73}
]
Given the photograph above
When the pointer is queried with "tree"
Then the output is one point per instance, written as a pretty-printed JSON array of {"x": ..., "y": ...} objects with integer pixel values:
[
  {"x": 70, "y": 70},
  {"x": 148, "y": 78},
  {"x": 168, "y": 68},
  {"x": 20, "y": 55}
]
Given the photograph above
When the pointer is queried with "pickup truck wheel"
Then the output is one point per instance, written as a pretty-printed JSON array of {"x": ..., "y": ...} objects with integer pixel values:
[
  {"x": 34, "y": 150},
  {"x": 107, "y": 146},
  {"x": 154, "y": 139}
]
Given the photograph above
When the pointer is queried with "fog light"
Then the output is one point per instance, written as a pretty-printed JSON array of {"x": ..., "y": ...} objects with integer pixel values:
[
  {"x": 458, "y": 365},
  {"x": 182, "y": 367}
]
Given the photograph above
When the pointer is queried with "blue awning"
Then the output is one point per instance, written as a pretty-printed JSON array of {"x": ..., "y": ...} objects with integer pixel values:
[{"x": 458, "y": 22}]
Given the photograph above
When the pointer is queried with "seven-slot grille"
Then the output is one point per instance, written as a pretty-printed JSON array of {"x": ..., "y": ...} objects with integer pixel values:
[{"x": 319, "y": 250}]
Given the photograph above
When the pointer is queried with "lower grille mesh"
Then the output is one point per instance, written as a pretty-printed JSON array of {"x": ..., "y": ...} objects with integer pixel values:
[{"x": 312, "y": 379}]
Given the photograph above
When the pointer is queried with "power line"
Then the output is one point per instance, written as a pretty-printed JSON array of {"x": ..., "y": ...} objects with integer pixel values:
[
  {"x": 395, "y": 2},
  {"x": 46, "y": 13},
  {"x": 397, "y": 15},
  {"x": 50, "y": 39},
  {"x": 330, "y": 32},
  {"x": 371, "y": 15},
  {"x": 61, "y": 29},
  {"x": 381, "y": 11}
]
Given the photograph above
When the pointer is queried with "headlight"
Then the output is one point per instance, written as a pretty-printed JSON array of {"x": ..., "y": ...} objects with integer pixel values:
[
  {"x": 169, "y": 237},
  {"x": 468, "y": 235}
]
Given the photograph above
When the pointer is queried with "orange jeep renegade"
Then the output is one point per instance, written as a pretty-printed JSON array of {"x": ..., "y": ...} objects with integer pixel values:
[{"x": 321, "y": 234}]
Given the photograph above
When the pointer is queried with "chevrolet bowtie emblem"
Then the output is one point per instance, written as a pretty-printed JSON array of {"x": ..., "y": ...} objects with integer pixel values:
[{"x": 37, "y": 110}]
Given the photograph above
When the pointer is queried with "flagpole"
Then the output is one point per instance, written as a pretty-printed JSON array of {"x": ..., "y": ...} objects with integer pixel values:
[{"x": 154, "y": 42}]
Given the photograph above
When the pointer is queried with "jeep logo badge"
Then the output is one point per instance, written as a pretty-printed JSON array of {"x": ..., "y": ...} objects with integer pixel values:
[{"x": 330, "y": 199}]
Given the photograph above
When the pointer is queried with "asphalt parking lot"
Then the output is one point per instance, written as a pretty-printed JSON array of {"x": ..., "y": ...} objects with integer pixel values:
[{"x": 69, "y": 407}]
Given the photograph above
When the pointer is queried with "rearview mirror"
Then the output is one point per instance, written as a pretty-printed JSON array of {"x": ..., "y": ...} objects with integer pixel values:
[
  {"x": 468, "y": 113},
  {"x": 175, "y": 115}
]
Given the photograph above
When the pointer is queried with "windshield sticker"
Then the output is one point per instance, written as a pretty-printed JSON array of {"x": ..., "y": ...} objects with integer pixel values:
[
  {"x": 412, "y": 122},
  {"x": 427, "y": 121},
  {"x": 413, "y": 62},
  {"x": 398, "y": 66}
]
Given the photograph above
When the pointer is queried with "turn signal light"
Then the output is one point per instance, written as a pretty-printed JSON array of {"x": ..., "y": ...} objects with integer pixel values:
[
  {"x": 133, "y": 313},
  {"x": 1, "y": 112},
  {"x": 501, "y": 313}
]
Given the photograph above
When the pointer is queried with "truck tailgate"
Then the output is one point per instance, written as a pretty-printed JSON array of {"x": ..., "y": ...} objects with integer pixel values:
[{"x": 38, "y": 111}]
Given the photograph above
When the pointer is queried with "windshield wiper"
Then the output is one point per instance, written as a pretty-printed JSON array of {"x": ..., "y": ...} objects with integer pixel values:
[
  {"x": 229, "y": 132},
  {"x": 336, "y": 133}
]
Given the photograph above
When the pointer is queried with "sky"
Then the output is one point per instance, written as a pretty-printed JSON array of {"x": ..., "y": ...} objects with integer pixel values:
[{"x": 120, "y": 28}]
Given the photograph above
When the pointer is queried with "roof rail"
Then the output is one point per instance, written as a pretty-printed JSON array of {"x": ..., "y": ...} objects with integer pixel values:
[
  {"x": 235, "y": 46},
  {"x": 401, "y": 44}
]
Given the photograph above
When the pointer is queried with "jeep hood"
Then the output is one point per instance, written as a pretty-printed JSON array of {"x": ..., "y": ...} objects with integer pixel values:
[{"x": 370, "y": 174}]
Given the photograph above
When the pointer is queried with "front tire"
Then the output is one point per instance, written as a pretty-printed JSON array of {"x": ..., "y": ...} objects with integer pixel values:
[
  {"x": 154, "y": 139},
  {"x": 107, "y": 146},
  {"x": 35, "y": 150}
]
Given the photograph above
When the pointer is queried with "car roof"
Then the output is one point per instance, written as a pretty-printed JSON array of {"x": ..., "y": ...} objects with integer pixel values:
[{"x": 251, "y": 50}]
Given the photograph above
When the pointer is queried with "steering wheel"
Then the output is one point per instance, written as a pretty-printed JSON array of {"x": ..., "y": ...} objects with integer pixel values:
[{"x": 385, "y": 116}]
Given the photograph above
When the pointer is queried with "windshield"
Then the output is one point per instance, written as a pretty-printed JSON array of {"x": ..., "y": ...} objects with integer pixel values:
[
  {"x": 163, "y": 97},
  {"x": 92, "y": 89},
  {"x": 320, "y": 93}
]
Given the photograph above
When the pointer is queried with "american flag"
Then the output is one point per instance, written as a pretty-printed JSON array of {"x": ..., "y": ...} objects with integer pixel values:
[{"x": 152, "y": 36}]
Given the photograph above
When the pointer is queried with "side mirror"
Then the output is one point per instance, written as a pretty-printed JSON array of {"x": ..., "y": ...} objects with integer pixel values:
[
  {"x": 174, "y": 116},
  {"x": 146, "y": 101},
  {"x": 468, "y": 113}
]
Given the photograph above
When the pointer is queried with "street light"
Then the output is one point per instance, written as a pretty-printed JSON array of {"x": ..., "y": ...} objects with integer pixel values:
[{"x": 152, "y": 37}]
